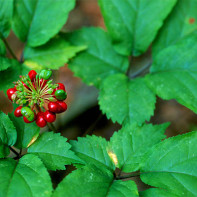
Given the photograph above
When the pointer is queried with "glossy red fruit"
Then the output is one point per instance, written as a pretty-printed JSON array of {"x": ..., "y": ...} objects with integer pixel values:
[
  {"x": 49, "y": 116},
  {"x": 10, "y": 92},
  {"x": 26, "y": 120},
  {"x": 54, "y": 107},
  {"x": 17, "y": 111},
  {"x": 32, "y": 75},
  {"x": 40, "y": 121},
  {"x": 60, "y": 87},
  {"x": 63, "y": 106}
]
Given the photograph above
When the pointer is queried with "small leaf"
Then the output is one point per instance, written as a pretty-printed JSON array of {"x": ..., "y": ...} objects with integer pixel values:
[
  {"x": 52, "y": 55},
  {"x": 92, "y": 181},
  {"x": 129, "y": 23},
  {"x": 8, "y": 133},
  {"x": 181, "y": 23},
  {"x": 6, "y": 8},
  {"x": 126, "y": 101},
  {"x": 28, "y": 178},
  {"x": 132, "y": 142},
  {"x": 93, "y": 150},
  {"x": 31, "y": 21},
  {"x": 174, "y": 73},
  {"x": 4, "y": 150},
  {"x": 99, "y": 60},
  {"x": 171, "y": 165},
  {"x": 25, "y": 132},
  {"x": 54, "y": 151}
]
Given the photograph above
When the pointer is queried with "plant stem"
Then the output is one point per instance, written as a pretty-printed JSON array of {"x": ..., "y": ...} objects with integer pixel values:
[
  {"x": 9, "y": 48},
  {"x": 15, "y": 152},
  {"x": 52, "y": 127},
  {"x": 130, "y": 175}
]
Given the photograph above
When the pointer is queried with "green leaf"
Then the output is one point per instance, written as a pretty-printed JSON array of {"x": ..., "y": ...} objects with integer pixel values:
[
  {"x": 35, "y": 22},
  {"x": 131, "y": 143},
  {"x": 4, "y": 150},
  {"x": 26, "y": 133},
  {"x": 99, "y": 60},
  {"x": 6, "y": 8},
  {"x": 154, "y": 192},
  {"x": 9, "y": 72},
  {"x": 54, "y": 151},
  {"x": 129, "y": 23},
  {"x": 28, "y": 178},
  {"x": 92, "y": 181},
  {"x": 52, "y": 55},
  {"x": 2, "y": 48},
  {"x": 126, "y": 101},
  {"x": 8, "y": 133},
  {"x": 174, "y": 73},
  {"x": 180, "y": 24},
  {"x": 171, "y": 165},
  {"x": 93, "y": 150}
]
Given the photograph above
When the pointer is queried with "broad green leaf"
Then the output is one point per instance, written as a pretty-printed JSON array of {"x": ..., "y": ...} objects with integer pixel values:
[
  {"x": 52, "y": 55},
  {"x": 174, "y": 73},
  {"x": 123, "y": 189},
  {"x": 36, "y": 21},
  {"x": 28, "y": 177},
  {"x": 54, "y": 151},
  {"x": 92, "y": 181},
  {"x": 99, "y": 60},
  {"x": 154, "y": 192},
  {"x": 6, "y": 7},
  {"x": 2, "y": 48},
  {"x": 179, "y": 24},
  {"x": 8, "y": 133},
  {"x": 131, "y": 143},
  {"x": 171, "y": 165},
  {"x": 10, "y": 70},
  {"x": 93, "y": 150},
  {"x": 4, "y": 149},
  {"x": 126, "y": 101},
  {"x": 26, "y": 133},
  {"x": 133, "y": 24}
]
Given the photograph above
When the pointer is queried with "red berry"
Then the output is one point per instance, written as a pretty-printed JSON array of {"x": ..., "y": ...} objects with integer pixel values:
[
  {"x": 40, "y": 121},
  {"x": 43, "y": 82},
  {"x": 26, "y": 120},
  {"x": 17, "y": 111},
  {"x": 60, "y": 87},
  {"x": 32, "y": 75},
  {"x": 49, "y": 116},
  {"x": 54, "y": 107},
  {"x": 63, "y": 106},
  {"x": 10, "y": 92}
]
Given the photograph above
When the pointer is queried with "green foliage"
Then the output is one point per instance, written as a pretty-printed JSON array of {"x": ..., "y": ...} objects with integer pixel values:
[
  {"x": 99, "y": 60},
  {"x": 10, "y": 70},
  {"x": 126, "y": 101},
  {"x": 174, "y": 72},
  {"x": 26, "y": 133},
  {"x": 92, "y": 181},
  {"x": 178, "y": 25},
  {"x": 93, "y": 150},
  {"x": 2, "y": 48},
  {"x": 6, "y": 12},
  {"x": 154, "y": 192},
  {"x": 171, "y": 165},
  {"x": 55, "y": 153},
  {"x": 131, "y": 143},
  {"x": 8, "y": 133},
  {"x": 28, "y": 177},
  {"x": 35, "y": 22},
  {"x": 133, "y": 24},
  {"x": 52, "y": 55}
]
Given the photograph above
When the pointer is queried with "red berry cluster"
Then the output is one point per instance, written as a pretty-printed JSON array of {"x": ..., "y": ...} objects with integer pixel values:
[{"x": 38, "y": 98}]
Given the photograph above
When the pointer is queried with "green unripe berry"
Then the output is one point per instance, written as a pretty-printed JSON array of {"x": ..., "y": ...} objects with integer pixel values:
[
  {"x": 45, "y": 74},
  {"x": 60, "y": 95}
]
